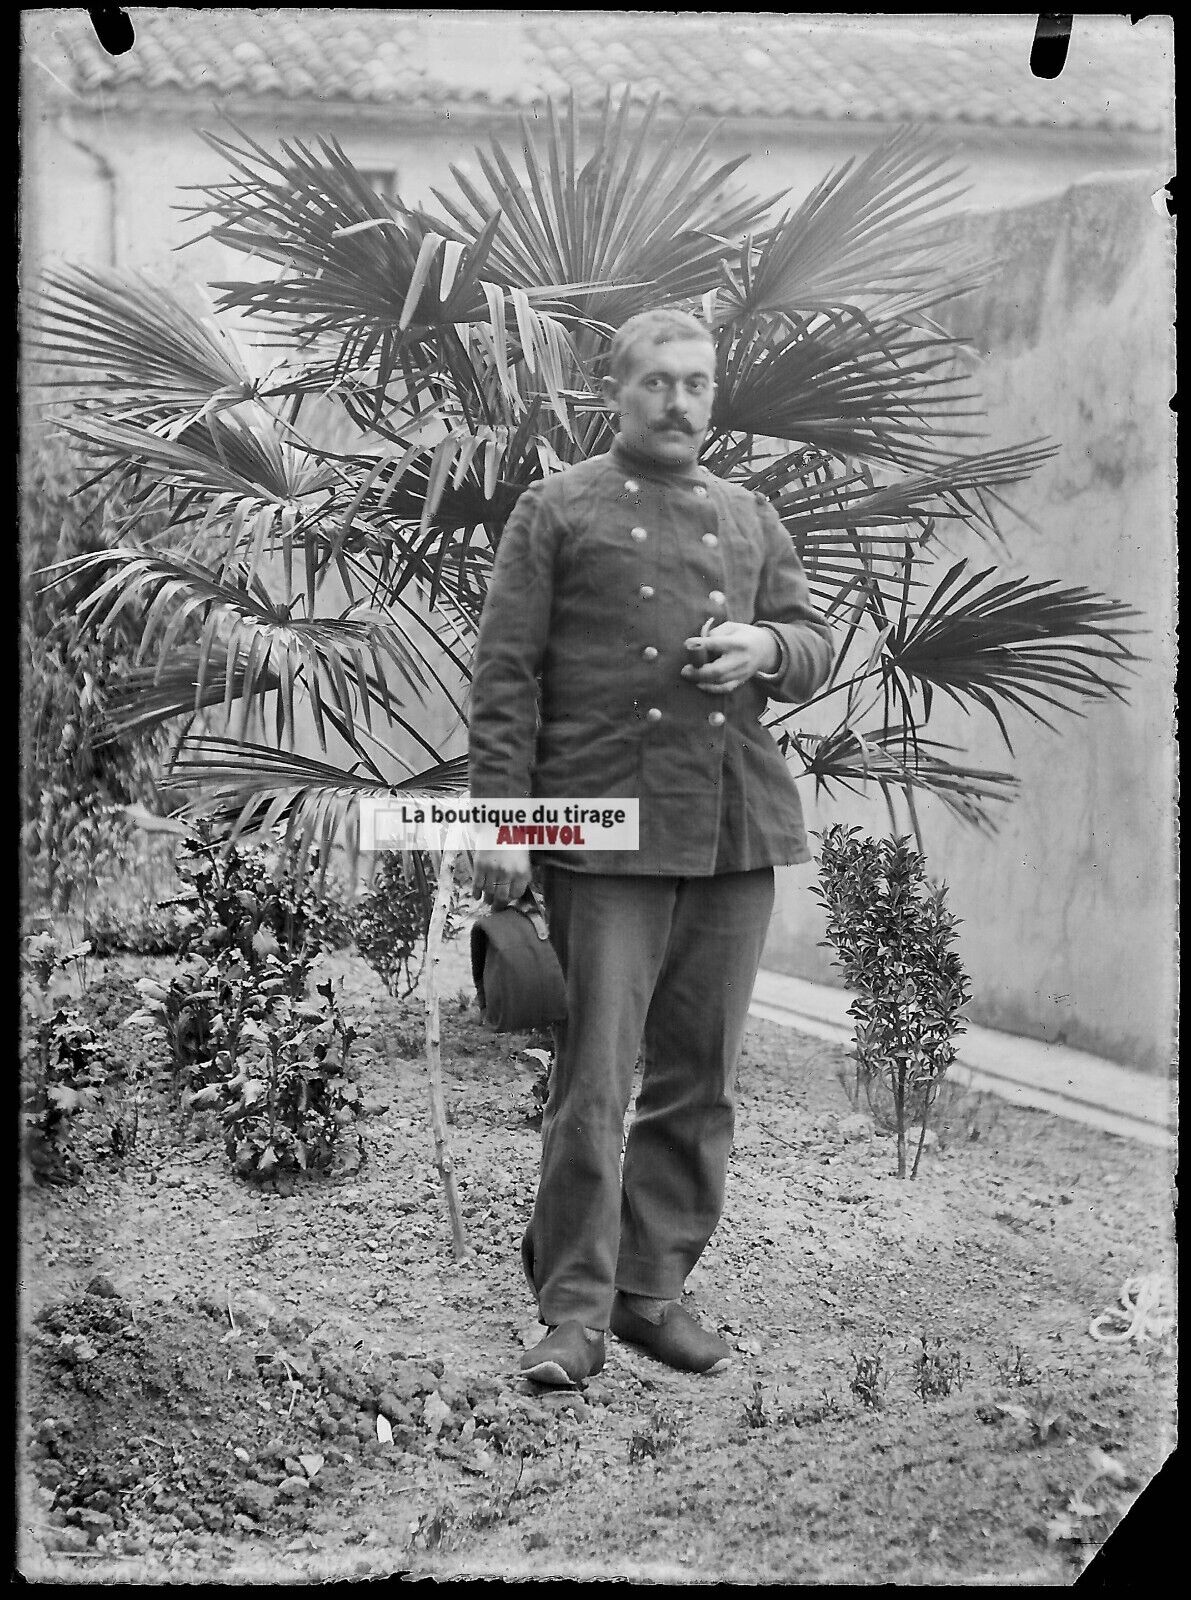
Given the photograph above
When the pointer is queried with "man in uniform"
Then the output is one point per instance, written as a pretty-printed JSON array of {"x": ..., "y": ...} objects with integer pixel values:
[{"x": 641, "y": 613}]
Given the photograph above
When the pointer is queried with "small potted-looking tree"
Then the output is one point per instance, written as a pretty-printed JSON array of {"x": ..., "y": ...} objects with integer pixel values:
[{"x": 894, "y": 940}]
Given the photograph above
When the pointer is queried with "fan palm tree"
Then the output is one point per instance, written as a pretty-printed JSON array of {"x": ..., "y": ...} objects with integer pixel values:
[{"x": 317, "y": 475}]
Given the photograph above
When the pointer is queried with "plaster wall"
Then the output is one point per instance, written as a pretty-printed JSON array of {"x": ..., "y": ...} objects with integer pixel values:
[
  {"x": 1069, "y": 909},
  {"x": 108, "y": 186}
]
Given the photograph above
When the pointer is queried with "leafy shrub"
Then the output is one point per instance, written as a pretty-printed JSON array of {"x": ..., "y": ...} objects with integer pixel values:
[
  {"x": 63, "y": 1063},
  {"x": 254, "y": 904},
  {"x": 75, "y": 778},
  {"x": 245, "y": 1043},
  {"x": 393, "y": 919},
  {"x": 894, "y": 941},
  {"x": 284, "y": 1105}
]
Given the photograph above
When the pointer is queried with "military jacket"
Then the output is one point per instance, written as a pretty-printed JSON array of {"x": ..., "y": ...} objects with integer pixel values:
[{"x": 602, "y": 572}]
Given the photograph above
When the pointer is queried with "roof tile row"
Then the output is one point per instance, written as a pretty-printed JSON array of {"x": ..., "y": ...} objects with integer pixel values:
[{"x": 925, "y": 67}]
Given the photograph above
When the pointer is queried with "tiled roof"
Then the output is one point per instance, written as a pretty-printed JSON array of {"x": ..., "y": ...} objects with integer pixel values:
[{"x": 860, "y": 67}]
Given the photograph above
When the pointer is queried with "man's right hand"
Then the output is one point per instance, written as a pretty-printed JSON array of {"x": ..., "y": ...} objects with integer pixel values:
[{"x": 501, "y": 876}]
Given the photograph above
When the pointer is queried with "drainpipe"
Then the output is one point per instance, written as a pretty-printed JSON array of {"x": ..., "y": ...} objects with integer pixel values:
[{"x": 109, "y": 177}]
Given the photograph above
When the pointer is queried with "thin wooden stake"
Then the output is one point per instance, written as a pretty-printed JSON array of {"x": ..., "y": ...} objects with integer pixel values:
[{"x": 438, "y": 1113}]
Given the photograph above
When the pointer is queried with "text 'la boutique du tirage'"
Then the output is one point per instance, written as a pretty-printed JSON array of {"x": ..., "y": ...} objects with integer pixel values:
[{"x": 425, "y": 822}]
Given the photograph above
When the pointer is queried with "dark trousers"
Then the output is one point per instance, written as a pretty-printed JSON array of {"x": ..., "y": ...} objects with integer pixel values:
[{"x": 661, "y": 968}]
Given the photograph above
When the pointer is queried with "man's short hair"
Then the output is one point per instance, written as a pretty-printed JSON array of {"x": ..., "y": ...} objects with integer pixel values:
[{"x": 661, "y": 326}]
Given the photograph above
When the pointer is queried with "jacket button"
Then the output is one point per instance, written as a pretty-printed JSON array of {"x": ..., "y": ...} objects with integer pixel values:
[
  {"x": 653, "y": 714},
  {"x": 710, "y": 540},
  {"x": 645, "y": 591},
  {"x": 638, "y": 534},
  {"x": 716, "y": 719},
  {"x": 716, "y": 597},
  {"x": 631, "y": 485},
  {"x": 650, "y": 652}
]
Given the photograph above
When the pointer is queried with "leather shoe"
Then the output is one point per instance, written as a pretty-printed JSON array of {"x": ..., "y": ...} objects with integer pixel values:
[
  {"x": 564, "y": 1358},
  {"x": 677, "y": 1339}
]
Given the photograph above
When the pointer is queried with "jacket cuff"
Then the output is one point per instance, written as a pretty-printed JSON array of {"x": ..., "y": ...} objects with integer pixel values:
[{"x": 783, "y": 657}]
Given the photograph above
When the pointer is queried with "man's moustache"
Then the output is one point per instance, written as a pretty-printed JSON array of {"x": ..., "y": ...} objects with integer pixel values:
[{"x": 671, "y": 425}]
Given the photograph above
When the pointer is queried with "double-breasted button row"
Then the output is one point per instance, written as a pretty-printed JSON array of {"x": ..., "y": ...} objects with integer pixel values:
[
  {"x": 633, "y": 487},
  {"x": 716, "y": 718}
]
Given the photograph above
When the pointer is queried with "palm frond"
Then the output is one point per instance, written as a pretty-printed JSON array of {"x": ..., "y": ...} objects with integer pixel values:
[
  {"x": 126, "y": 337},
  {"x": 868, "y": 236},
  {"x": 393, "y": 290},
  {"x": 1012, "y": 642},
  {"x": 148, "y": 697},
  {"x": 842, "y": 522},
  {"x": 642, "y": 230},
  {"x": 877, "y": 392},
  {"x": 251, "y": 646},
  {"x": 254, "y": 790},
  {"x": 899, "y": 757},
  {"x": 243, "y": 456},
  {"x": 956, "y": 489}
]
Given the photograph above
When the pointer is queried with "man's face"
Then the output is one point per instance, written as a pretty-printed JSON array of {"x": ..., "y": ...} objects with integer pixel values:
[{"x": 665, "y": 399}]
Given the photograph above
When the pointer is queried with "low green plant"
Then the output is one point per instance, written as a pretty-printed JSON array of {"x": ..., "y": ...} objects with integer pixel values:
[
  {"x": 659, "y": 1434},
  {"x": 756, "y": 1413},
  {"x": 938, "y": 1370},
  {"x": 1043, "y": 1416},
  {"x": 870, "y": 1379},
  {"x": 760, "y": 1412},
  {"x": 1014, "y": 1369},
  {"x": 809, "y": 1413},
  {"x": 894, "y": 940}
]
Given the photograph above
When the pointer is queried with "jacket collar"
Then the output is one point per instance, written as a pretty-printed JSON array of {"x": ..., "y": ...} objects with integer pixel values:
[{"x": 640, "y": 466}]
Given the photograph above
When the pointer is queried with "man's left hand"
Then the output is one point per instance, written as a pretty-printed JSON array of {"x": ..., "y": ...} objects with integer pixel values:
[{"x": 732, "y": 652}]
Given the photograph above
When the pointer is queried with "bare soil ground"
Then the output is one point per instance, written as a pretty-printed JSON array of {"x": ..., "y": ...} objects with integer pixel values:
[{"x": 915, "y": 1396}]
